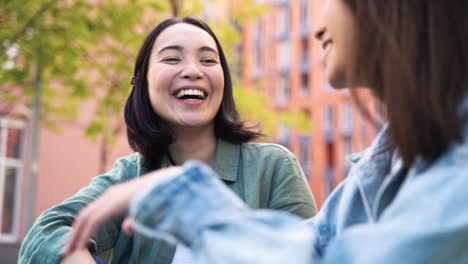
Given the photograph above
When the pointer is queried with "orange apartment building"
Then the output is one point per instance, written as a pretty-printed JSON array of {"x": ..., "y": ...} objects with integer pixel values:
[{"x": 282, "y": 60}]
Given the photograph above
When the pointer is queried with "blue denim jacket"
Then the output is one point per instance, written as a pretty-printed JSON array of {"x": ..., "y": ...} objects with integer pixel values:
[{"x": 376, "y": 215}]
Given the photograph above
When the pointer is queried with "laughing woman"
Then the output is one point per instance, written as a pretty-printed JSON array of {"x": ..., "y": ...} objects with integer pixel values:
[{"x": 181, "y": 107}]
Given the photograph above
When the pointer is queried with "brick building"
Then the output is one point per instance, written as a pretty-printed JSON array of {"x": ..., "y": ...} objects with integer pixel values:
[{"x": 282, "y": 59}]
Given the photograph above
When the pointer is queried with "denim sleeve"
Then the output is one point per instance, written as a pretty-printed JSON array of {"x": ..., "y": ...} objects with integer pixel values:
[
  {"x": 425, "y": 223},
  {"x": 45, "y": 240},
  {"x": 196, "y": 209}
]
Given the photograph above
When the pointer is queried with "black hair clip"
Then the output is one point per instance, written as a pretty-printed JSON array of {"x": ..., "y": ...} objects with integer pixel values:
[{"x": 132, "y": 80}]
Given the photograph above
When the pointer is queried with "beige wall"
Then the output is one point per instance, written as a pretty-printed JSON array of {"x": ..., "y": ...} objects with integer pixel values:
[{"x": 67, "y": 162}]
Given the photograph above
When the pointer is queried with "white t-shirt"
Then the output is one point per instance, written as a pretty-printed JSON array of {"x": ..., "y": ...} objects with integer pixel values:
[{"x": 183, "y": 255}]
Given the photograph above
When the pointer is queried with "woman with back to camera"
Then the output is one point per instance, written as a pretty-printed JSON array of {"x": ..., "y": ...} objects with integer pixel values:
[
  {"x": 181, "y": 107},
  {"x": 405, "y": 198}
]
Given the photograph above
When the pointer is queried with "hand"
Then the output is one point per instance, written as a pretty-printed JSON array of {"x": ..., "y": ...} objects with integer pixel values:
[
  {"x": 112, "y": 203},
  {"x": 79, "y": 257}
]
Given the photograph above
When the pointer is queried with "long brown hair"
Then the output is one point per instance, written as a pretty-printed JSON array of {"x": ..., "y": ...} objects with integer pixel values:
[{"x": 414, "y": 56}]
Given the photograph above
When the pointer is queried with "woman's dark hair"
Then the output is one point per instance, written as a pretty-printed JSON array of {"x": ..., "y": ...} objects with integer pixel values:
[
  {"x": 414, "y": 56},
  {"x": 150, "y": 135}
]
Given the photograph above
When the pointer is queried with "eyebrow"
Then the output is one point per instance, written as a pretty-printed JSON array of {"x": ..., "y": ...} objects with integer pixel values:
[{"x": 179, "y": 48}]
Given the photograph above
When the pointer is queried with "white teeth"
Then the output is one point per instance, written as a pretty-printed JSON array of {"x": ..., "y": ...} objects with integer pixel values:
[{"x": 181, "y": 93}]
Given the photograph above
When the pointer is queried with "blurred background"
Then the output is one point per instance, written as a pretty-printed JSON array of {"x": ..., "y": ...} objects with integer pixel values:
[{"x": 65, "y": 69}]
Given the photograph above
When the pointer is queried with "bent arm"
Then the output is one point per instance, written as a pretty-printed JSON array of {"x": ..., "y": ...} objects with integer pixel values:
[{"x": 45, "y": 240}]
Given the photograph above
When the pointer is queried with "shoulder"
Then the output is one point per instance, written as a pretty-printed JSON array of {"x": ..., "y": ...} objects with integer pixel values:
[
  {"x": 133, "y": 159},
  {"x": 130, "y": 165},
  {"x": 272, "y": 155},
  {"x": 440, "y": 185},
  {"x": 451, "y": 165},
  {"x": 269, "y": 149}
]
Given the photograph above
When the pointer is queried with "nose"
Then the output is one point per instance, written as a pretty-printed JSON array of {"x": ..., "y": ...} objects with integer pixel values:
[{"x": 191, "y": 71}]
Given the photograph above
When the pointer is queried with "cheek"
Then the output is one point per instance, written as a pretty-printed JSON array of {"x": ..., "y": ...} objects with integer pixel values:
[
  {"x": 158, "y": 82},
  {"x": 217, "y": 80}
]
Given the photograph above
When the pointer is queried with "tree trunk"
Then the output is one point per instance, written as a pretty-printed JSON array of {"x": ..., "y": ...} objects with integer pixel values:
[
  {"x": 176, "y": 6},
  {"x": 103, "y": 155}
]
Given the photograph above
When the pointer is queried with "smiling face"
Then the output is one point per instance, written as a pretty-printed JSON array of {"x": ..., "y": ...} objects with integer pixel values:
[
  {"x": 185, "y": 77},
  {"x": 336, "y": 32}
]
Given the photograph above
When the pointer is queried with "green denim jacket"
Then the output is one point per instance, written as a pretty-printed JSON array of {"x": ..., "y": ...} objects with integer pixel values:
[{"x": 263, "y": 175}]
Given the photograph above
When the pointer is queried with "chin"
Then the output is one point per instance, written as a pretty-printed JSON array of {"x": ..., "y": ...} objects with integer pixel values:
[
  {"x": 195, "y": 124},
  {"x": 337, "y": 79}
]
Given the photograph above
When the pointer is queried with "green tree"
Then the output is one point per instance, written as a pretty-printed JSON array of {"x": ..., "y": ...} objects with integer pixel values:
[
  {"x": 87, "y": 52},
  {"x": 88, "y": 49}
]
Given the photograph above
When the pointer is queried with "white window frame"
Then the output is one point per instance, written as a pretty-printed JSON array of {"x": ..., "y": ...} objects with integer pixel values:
[
  {"x": 348, "y": 118},
  {"x": 17, "y": 163}
]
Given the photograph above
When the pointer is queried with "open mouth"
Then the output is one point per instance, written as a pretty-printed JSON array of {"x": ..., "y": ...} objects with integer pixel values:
[{"x": 186, "y": 94}]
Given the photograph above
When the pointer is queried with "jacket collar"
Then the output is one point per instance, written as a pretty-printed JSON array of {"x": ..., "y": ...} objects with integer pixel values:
[
  {"x": 380, "y": 144},
  {"x": 226, "y": 160},
  {"x": 371, "y": 167}
]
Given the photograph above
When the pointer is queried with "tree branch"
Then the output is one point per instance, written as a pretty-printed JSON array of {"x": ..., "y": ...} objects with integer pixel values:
[{"x": 27, "y": 25}]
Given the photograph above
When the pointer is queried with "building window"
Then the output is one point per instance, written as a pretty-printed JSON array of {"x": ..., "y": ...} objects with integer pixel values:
[
  {"x": 348, "y": 146},
  {"x": 284, "y": 56},
  {"x": 305, "y": 13},
  {"x": 305, "y": 89},
  {"x": 11, "y": 166},
  {"x": 258, "y": 51},
  {"x": 364, "y": 128},
  {"x": 284, "y": 137},
  {"x": 305, "y": 62},
  {"x": 329, "y": 123},
  {"x": 284, "y": 91},
  {"x": 329, "y": 180},
  {"x": 347, "y": 120},
  {"x": 305, "y": 50},
  {"x": 237, "y": 66},
  {"x": 284, "y": 21},
  {"x": 305, "y": 84},
  {"x": 305, "y": 154}
]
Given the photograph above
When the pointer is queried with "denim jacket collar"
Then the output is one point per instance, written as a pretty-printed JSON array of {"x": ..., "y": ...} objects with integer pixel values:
[
  {"x": 380, "y": 143},
  {"x": 371, "y": 169}
]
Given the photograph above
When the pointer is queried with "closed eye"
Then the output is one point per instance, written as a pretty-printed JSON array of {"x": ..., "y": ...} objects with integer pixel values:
[
  {"x": 208, "y": 61},
  {"x": 171, "y": 60}
]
